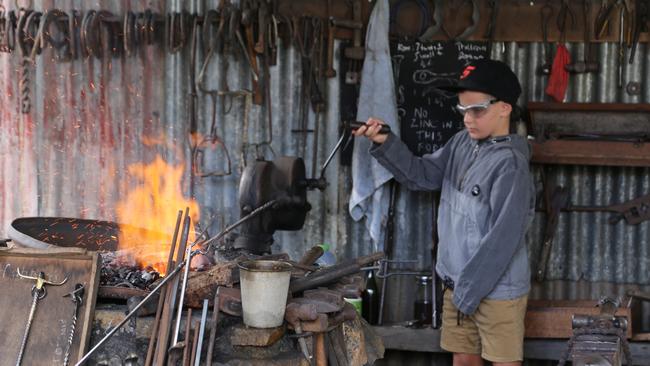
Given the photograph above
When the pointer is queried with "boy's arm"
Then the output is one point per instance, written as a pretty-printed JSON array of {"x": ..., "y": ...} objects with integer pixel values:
[
  {"x": 510, "y": 205},
  {"x": 416, "y": 173}
]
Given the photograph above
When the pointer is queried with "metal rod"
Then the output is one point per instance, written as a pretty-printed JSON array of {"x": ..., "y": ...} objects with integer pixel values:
[
  {"x": 161, "y": 300},
  {"x": 182, "y": 299},
  {"x": 213, "y": 329},
  {"x": 204, "y": 317},
  {"x": 343, "y": 137},
  {"x": 132, "y": 313},
  {"x": 188, "y": 343},
  {"x": 388, "y": 249},
  {"x": 254, "y": 213}
]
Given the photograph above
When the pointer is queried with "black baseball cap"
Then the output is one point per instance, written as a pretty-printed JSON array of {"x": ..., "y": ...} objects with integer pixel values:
[{"x": 490, "y": 77}]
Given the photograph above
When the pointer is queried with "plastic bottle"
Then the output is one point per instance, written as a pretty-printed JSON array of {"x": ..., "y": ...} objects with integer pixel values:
[
  {"x": 328, "y": 258},
  {"x": 370, "y": 300}
]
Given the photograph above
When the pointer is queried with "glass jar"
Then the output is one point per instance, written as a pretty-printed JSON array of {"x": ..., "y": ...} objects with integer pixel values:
[{"x": 422, "y": 306}]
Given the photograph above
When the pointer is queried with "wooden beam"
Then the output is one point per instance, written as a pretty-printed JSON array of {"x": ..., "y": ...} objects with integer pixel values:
[
  {"x": 517, "y": 21},
  {"x": 607, "y": 153},
  {"x": 428, "y": 340}
]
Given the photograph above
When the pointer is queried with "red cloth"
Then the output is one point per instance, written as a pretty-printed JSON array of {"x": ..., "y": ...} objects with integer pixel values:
[{"x": 558, "y": 81}]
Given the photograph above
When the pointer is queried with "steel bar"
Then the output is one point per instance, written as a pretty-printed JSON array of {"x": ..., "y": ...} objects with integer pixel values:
[
  {"x": 170, "y": 298},
  {"x": 333, "y": 273},
  {"x": 199, "y": 346},
  {"x": 182, "y": 295},
  {"x": 188, "y": 330},
  {"x": 163, "y": 292},
  {"x": 213, "y": 330},
  {"x": 195, "y": 342},
  {"x": 230, "y": 228}
]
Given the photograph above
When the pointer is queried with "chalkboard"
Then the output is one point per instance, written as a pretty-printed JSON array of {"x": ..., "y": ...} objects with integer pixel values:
[{"x": 426, "y": 114}]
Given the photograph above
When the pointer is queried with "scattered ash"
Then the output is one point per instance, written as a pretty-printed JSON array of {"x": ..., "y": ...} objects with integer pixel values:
[{"x": 122, "y": 271}]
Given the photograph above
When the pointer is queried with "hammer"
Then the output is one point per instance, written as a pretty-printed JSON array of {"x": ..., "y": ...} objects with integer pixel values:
[{"x": 356, "y": 52}]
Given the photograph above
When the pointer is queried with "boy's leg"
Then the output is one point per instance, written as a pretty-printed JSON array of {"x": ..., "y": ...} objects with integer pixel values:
[
  {"x": 459, "y": 336},
  {"x": 501, "y": 328},
  {"x": 506, "y": 363},
  {"x": 465, "y": 359}
]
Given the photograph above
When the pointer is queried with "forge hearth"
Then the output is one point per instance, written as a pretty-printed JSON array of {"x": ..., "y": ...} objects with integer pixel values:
[{"x": 122, "y": 273}]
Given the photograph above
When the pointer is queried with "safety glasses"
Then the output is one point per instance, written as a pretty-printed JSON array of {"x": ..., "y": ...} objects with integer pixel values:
[{"x": 475, "y": 110}]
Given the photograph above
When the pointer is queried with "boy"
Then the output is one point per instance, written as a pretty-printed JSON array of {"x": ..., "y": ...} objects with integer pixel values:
[{"x": 486, "y": 206}]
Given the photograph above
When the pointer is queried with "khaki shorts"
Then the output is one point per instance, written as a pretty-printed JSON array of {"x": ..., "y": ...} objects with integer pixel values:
[{"x": 495, "y": 330}]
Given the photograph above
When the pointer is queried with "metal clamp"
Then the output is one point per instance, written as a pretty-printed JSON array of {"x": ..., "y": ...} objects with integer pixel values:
[{"x": 388, "y": 273}]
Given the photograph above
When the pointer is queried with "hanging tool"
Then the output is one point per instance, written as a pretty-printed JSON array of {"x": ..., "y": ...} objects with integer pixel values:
[
  {"x": 428, "y": 34},
  {"x": 476, "y": 17},
  {"x": 634, "y": 211},
  {"x": 8, "y": 43},
  {"x": 38, "y": 293},
  {"x": 25, "y": 44},
  {"x": 602, "y": 21},
  {"x": 248, "y": 8},
  {"x": 623, "y": 19},
  {"x": 553, "y": 203},
  {"x": 262, "y": 17},
  {"x": 546, "y": 13},
  {"x": 558, "y": 80},
  {"x": 77, "y": 298},
  {"x": 357, "y": 51},
  {"x": 640, "y": 25},
  {"x": 489, "y": 34},
  {"x": 213, "y": 43},
  {"x": 329, "y": 71},
  {"x": 587, "y": 65}
]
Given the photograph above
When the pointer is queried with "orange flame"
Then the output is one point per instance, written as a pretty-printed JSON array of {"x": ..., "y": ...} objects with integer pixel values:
[{"x": 147, "y": 215}]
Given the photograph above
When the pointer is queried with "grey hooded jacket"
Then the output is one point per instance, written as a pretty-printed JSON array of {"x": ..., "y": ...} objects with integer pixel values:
[{"x": 486, "y": 206}]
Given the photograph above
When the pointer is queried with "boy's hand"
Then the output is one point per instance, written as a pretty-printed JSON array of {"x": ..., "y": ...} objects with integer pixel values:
[{"x": 371, "y": 131}]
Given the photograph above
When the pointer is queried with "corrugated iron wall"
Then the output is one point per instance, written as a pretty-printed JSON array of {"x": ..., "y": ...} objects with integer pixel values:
[{"x": 92, "y": 118}]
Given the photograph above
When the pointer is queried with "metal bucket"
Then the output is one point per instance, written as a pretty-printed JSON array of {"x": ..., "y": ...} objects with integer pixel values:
[{"x": 264, "y": 290}]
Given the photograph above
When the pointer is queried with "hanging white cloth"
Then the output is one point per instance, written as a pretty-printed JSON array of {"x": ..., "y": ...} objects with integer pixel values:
[{"x": 370, "y": 193}]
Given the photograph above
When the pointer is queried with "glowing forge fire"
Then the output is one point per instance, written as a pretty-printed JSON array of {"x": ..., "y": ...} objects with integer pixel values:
[{"x": 153, "y": 206}]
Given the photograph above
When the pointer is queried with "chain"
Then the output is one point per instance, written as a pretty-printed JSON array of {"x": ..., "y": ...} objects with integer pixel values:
[
  {"x": 25, "y": 102},
  {"x": 620, "y": 333}
]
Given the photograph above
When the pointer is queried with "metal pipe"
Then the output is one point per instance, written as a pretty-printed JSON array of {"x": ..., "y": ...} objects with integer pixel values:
[
  {"x": 186, "y": 273},
  {"x": 199, "y": 346},
  {"x": 254, "y": 213}
]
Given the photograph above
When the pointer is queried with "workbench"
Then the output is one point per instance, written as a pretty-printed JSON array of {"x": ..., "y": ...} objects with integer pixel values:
[{"x": 428, "y": 340}]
